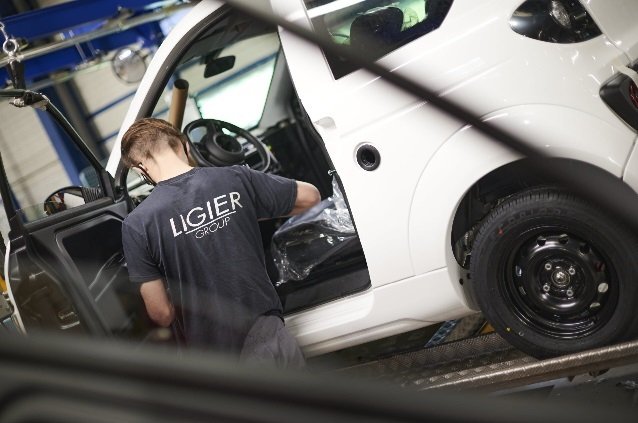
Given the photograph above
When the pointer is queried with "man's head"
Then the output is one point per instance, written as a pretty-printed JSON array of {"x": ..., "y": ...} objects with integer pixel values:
[
  {"x": 147, "y": 137},
  {"x": 149, "y": 142}
]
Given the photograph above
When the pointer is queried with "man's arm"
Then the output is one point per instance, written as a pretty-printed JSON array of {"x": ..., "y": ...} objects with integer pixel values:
[
  {"x": 159, "y": 308},
  {"x": 307, "y": 196},
  {"x": 272, "y": 194}
]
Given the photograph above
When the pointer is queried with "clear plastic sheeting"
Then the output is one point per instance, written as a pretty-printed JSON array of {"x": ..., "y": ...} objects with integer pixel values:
[{"x": 309, "y": 239}]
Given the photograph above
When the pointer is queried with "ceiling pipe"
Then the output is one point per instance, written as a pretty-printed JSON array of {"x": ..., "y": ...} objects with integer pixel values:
[{"x": 112, "y": 27}]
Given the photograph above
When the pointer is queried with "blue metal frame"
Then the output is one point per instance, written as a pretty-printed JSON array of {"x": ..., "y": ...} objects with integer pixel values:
[
  {"x": 72, "y": 19},
  {"x": 53, "y": 19},
  {"x": 79, "y": 16}
]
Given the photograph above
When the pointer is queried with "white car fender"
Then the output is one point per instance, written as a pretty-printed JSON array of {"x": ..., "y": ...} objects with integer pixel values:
[
  {"x": 617, "y": 19},
  {"x": 17, "y": 317},
  {"x": 468, "y": 156},
  {"x": 630, "y": 175}
]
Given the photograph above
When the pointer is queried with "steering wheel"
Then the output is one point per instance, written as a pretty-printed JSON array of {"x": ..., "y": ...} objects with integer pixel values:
[{"x": 211, "y": 146}]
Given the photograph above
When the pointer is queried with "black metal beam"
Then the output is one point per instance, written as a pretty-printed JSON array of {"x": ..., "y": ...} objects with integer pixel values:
[{"x": 70, "y": 379}]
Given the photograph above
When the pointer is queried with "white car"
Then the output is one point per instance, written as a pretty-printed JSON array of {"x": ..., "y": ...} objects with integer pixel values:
[{"x": 448, "y": 221}]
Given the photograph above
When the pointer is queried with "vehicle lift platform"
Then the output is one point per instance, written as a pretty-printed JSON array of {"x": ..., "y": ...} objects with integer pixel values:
[{"x": 465, "y": 357}]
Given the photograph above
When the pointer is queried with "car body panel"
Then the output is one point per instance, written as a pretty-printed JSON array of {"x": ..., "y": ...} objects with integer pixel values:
[
  {"x": 405, "y": 208},
  {"x": 476, "y": 156},
  {"x": 395, "y": 308},
  {"x": 630, "y": 175},
  {"x": 617, "y": 20},
  {"x": 408, "y": 132},
  {"x": 16, "y": 316}
]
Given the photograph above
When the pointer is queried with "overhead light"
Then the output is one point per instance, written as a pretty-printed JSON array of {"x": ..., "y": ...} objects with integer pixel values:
[{"x": 560, "y": 14}]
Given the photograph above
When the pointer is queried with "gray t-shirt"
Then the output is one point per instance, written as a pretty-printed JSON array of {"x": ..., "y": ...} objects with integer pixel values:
[{"x": 199, "y": 232}]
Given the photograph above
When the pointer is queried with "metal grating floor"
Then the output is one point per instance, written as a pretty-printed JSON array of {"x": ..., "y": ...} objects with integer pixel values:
[{"x": 429, "y": 367}]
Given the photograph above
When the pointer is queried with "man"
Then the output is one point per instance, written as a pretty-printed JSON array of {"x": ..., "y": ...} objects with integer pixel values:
[{"x": 195, "y": 243}]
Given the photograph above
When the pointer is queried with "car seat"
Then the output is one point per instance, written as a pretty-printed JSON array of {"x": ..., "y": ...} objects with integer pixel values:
[
  {"x": 376, "y": 31},
  {"x": 437, "y": 10}
]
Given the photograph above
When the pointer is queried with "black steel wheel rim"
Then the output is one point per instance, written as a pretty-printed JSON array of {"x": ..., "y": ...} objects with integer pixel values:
[{"x": 559, "y": 282}]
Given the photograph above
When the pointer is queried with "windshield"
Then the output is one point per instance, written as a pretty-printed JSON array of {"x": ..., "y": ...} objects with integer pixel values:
[{"x": 237, "y": 94}]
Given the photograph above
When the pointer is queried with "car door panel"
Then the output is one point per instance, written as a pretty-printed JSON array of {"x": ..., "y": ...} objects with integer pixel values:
[
  {"x": 65, "y": 264},
  {"x": 84, "y": 255},
  {"x": 94, "y": 248}
]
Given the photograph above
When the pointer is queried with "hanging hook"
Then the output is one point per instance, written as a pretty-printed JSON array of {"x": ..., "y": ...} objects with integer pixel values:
[
  {"x": 15, "y": 68},
  {"x": 10, "y": 45}
]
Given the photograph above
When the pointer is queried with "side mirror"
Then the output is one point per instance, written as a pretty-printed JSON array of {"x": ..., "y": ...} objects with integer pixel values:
[
  {"x": 63, "y": 199},
  {"x": 218, "y": 65}
]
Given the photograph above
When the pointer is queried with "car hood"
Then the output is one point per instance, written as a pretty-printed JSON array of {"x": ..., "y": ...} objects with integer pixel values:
[{"x": 618, "y": 20}]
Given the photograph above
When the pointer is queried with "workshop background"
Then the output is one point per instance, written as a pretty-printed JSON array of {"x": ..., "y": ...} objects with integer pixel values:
[{"x": 87, "y": 56}]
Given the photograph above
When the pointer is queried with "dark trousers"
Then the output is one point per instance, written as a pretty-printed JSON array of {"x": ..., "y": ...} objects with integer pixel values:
[{"x": 269, "y": 342}]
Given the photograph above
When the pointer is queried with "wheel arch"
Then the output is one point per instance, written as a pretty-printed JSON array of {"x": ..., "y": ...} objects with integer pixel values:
[
  {"x": 468, "y": 159},
  {"x": 511, "y": 179}
]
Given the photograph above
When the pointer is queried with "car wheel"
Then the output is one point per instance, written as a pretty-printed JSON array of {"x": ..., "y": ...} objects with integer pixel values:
[{"x": 554, "y": 274}]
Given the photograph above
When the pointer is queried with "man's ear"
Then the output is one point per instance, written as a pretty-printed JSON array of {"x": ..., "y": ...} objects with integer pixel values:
[{"x": 187, "y": 150}]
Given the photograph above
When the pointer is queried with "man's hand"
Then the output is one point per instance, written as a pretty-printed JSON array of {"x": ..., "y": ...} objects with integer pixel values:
[
  {"x": 159, "y": 308},
  {"x": 307, "y": 196}
]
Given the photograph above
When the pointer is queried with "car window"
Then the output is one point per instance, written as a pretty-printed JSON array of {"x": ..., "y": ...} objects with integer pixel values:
[
  {"x": 373, "y": 27},
  {"x": 240, "y": 99},
  {"x": 46, "y": 172},
  {"x": 229, "y": 84}
]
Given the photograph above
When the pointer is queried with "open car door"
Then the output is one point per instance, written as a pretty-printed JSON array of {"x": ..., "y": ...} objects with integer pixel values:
[{"x": 64, "y": 263}]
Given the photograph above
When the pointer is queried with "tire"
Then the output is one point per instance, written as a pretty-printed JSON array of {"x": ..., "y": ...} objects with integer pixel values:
[{"x": 554, "y": 274}]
